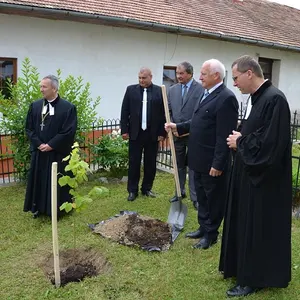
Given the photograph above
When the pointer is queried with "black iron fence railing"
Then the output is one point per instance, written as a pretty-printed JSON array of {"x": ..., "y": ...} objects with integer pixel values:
[{"x": 9, "y": 174}]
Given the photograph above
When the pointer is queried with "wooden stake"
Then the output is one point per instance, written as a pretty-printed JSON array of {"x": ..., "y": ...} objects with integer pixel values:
[{"x": 54, "y": 224}]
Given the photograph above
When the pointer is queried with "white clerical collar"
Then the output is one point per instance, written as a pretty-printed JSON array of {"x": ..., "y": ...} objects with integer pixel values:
[
  {"x": 51, "y": 108},
  {"x": 249, "y": 108},
  {"x": 49, "y": 101}
]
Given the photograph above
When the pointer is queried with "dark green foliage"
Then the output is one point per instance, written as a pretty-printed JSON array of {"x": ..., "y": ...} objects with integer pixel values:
[
  {"x": 111, "y": 153},
  {"x": 74, "y": 90}
]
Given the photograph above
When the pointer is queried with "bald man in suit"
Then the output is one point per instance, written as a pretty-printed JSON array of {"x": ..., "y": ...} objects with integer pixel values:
[{"x": 142, "y": 122}]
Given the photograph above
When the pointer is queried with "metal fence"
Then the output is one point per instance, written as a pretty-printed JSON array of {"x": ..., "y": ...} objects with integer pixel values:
[{"x": 8, "y": 173}]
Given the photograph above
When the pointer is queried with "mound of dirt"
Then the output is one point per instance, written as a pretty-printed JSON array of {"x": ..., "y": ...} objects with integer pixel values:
[
  {"x": 75, "y": 265},
  {"x": 135, "y": 230}
]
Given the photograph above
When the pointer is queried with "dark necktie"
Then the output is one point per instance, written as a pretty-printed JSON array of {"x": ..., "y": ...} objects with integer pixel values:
[{"x": 185, "y": 89}]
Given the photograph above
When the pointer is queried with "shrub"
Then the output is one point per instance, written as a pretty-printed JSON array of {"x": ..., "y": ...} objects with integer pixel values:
[
  {"x": 111, "y": 154},
  {"x": 27, "y": 90}
]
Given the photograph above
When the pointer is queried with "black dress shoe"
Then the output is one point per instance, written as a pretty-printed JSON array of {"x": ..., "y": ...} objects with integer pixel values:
[
  {"x": 132, "y": 196},
  {"x": 238, "y": 291},
  {"x": 149, "y": 194},
  {"x": 195, "y": 234},
  {"x": 175, "y": 198},
  {"x": 205, "y": 243}
]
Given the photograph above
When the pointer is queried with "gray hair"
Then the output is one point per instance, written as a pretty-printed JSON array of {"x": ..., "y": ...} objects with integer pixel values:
[
  {"x": 216, "y": 67},
  {"x": 245, "y": 63},
  {"x": 146, "y": 70},
  {"x": 188, "y": 67},
  {"x": 54, "y": 81}
]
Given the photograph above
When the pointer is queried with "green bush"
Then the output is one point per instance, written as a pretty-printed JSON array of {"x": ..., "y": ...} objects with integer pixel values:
[
  {"x": 27, "y": 90},
  {"x": 111, "y": 154}
]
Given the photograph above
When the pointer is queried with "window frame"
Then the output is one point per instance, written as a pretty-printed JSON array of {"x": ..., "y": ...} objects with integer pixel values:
[
  {"x": 14, "y": 61},
  {"x": 172, "y": 68},
  {"x": 270, "y": 63}
]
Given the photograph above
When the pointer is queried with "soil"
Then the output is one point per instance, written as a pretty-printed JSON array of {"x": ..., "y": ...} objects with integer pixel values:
[
  {"x": 135, "y": 230},
  {"x": 75, "y": 265}
]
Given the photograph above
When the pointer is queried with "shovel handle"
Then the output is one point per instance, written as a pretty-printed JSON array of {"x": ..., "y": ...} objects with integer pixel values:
[{"x": 171, "y": 141}]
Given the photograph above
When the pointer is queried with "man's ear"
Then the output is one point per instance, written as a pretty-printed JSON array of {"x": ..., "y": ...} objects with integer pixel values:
[{"x": 249, "y": 74}]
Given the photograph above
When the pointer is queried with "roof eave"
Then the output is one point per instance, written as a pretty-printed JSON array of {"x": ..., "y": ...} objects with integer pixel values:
[{"x": 4, "y": 7}]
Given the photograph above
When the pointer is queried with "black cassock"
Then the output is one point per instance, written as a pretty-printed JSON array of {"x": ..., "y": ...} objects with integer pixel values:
[
  {"x": 58, "y": 133},
  {"x": 256, "y": 245}
]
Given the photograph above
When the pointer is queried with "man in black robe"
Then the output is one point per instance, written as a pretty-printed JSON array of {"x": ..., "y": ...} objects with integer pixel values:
[
  {"x": 256, "y": 246},
  {"x": 50, "y": 125}
]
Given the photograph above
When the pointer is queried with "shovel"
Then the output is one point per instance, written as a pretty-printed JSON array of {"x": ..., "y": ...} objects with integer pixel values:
[{"x": 178, "y": 210}]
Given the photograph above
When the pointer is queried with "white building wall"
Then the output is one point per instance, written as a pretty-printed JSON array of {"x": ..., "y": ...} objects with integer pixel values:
[{"x": 110, "y": 57}]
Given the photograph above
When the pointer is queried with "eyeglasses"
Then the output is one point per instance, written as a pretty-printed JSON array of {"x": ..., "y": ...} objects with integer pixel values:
[{"x": 236, "y": 77}]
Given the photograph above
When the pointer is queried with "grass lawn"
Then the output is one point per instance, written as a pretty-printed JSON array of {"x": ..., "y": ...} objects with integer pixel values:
[{"x": 182, "y": 273}]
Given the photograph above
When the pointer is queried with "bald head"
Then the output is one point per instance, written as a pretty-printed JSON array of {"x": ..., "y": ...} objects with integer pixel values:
[
  {"x": 145, "y": 70},
  {"x": 145, "y": 77}
]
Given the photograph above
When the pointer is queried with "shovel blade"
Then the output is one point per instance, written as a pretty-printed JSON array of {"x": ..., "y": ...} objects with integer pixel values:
[{"x": 177, "y": 214}]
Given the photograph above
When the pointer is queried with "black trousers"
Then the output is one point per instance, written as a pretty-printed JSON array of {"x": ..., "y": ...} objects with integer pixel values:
[
  {"x": 145, "y": 144},
  {"x": 211, "y": 197}
]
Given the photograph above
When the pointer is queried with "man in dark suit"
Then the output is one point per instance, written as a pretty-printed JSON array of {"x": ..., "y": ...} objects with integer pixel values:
[
  {"x": 142, "y": 122},
  {"x": 215, "y": 116},
  {"x": 182, "y": 98}
]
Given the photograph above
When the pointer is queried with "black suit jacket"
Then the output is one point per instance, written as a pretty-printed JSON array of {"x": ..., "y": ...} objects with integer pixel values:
[
  {"x": 132, "y": 109},
  {"x": 213, "y": 120}
]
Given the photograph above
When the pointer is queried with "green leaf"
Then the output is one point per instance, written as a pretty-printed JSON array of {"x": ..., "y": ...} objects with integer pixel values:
[
  {"x": 66, "y": 206},
  {"x": 75, "y": 145},
  {"x": 66, "y": 158},
  {"x": 78, "y": 202},
  {"x": 62, "y": 181}
]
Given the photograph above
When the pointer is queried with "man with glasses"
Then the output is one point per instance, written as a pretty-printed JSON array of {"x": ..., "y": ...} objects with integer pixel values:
[{"x": 256, "y": 245}]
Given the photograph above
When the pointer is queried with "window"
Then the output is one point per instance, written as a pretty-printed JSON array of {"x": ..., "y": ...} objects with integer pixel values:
[
  {"x": 8, "y": 70},
  {"x": 267, "y": 67},
  {"x": 169, "y": 76},
  {"x": 271, "y": 69}
]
